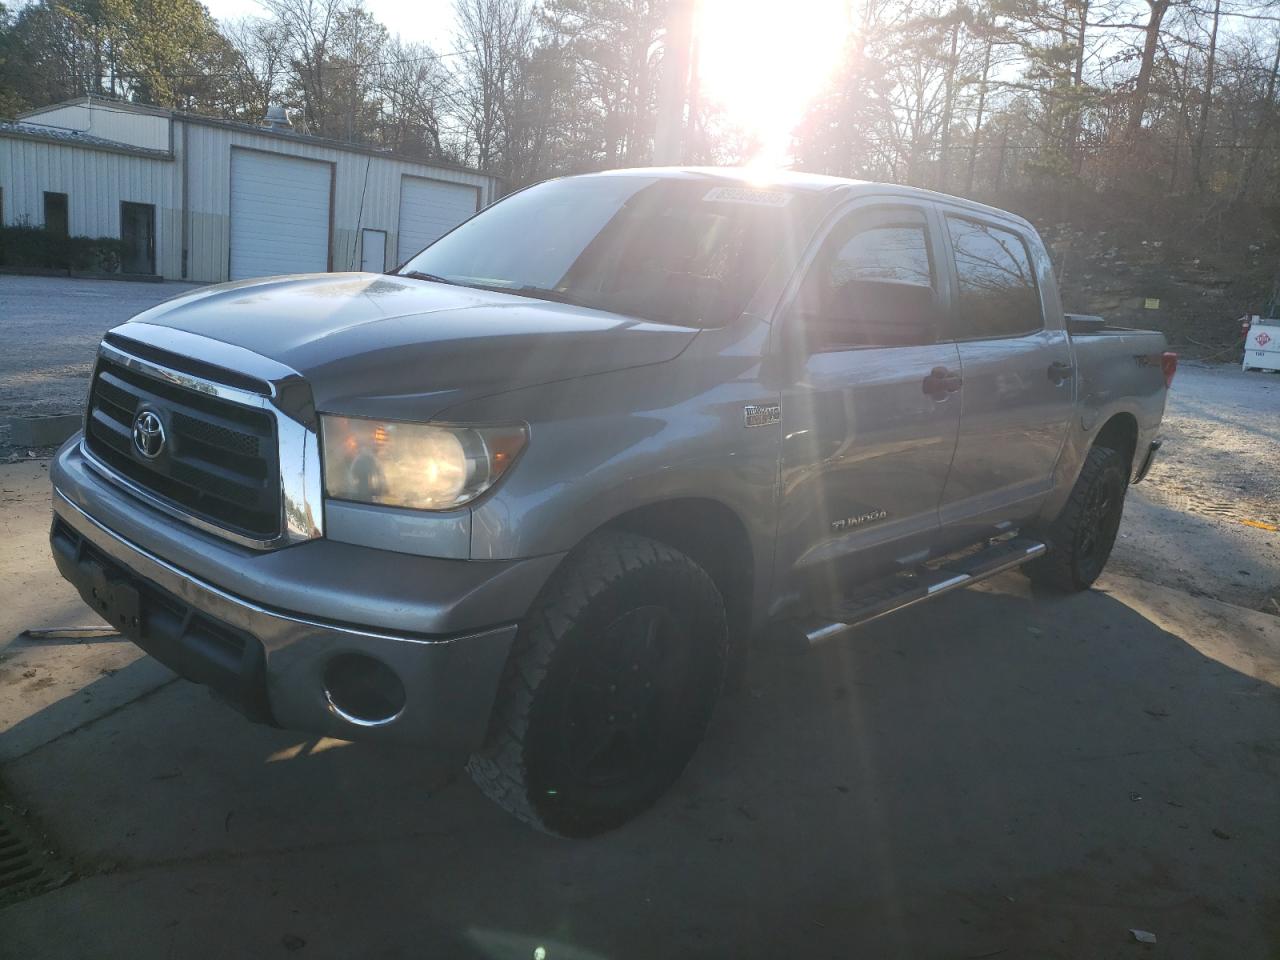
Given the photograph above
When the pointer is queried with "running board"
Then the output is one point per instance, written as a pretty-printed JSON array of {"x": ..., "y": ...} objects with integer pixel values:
[{"x": 901, "y": 592}]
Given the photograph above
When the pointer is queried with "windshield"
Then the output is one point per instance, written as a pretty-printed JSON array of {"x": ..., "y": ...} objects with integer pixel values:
[{"x": 671, "y": 251}]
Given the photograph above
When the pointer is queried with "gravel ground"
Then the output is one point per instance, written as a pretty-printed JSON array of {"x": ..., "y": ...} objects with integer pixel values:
[
  {"x": 49, "y": 329},
  {"x": 1207, "y": 519},
  {"x": 1223, "y": 455}
]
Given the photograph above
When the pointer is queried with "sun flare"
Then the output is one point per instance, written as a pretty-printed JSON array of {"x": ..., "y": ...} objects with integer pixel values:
[{"x": 763, "y": 60}]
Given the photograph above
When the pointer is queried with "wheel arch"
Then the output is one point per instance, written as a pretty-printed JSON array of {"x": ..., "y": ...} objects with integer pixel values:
[
  {"x": 713, "y": 536},
  {"x": 1120, "y": 433}
]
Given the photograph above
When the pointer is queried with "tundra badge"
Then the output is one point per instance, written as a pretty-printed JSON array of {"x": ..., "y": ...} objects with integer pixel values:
[
  {"x": 755, "y": 415},
  {"x": 869, "y": 517}
]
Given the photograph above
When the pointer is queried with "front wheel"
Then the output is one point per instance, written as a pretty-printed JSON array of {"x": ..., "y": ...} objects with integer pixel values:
[
  {"x": 608, "y": 689},
  {"x": 1082, "y": 536}
]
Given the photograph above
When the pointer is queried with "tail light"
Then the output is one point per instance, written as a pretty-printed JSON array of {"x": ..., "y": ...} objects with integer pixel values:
[{"x": 1169, "y": 365}]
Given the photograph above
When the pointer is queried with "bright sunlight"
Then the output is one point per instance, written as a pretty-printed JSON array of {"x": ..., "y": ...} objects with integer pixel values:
[{"x": 763, "y": 60}]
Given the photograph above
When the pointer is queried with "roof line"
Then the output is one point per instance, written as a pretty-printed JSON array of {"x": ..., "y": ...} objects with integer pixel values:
[
  {"x": 108, "y": 103},
  {"x": 76, "y": 138}
]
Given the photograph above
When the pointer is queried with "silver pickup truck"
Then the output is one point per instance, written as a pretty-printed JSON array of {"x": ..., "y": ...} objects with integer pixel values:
[{"x": 528, "y": 500}]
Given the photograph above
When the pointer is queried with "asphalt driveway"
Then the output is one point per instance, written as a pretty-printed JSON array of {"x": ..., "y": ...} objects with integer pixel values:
[
  {"x": 49, "y": 330},
  {"x": 993, "y": 775}
]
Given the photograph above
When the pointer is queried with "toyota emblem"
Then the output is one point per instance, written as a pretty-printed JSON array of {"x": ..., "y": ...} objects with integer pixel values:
[{"x": 148, "y": 434}]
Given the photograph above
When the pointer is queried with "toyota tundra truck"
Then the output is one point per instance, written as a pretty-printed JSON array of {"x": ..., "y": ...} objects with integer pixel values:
[{"x": 525, "y": 502}]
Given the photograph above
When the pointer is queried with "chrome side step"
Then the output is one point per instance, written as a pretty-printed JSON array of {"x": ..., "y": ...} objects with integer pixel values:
[{"x": 901, "y": 592}]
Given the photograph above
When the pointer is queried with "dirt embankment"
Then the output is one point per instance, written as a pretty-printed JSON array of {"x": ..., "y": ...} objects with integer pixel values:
[{"x": 1189, "y": 274}]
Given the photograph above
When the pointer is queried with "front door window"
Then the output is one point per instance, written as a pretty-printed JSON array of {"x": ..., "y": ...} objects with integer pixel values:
[{"x": 872, "y": 285}]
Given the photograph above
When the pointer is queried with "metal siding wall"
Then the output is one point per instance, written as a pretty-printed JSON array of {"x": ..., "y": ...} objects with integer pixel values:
[
  {"x": 95, "y": 183},
  {"x": 210, "y": 187},
  {"x": 123, "y": 126},
  {"x": 208, "y": 201}
]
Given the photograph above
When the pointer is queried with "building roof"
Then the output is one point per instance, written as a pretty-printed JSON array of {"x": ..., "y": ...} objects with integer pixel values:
[
  {"x": 256, "y": 129},
  {"x": 74, "y": 138}
]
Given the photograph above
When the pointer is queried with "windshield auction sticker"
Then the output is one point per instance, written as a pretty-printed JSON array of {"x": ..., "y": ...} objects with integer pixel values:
[{"x": 760, "y": 198}]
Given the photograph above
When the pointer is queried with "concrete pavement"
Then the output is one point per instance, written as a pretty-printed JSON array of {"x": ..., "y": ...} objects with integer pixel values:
[{"x": 995, "y": 774}]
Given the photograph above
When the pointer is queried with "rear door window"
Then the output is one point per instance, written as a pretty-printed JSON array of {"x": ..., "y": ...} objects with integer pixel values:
[{"x": 998, "y": 292}]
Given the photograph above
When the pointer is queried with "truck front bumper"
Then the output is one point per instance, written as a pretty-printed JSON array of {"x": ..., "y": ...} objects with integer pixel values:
[{"x": 359, "y": 676}]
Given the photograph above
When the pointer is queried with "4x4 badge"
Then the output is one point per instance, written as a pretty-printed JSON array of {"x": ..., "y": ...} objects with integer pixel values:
[{"x": 756, "y": 415}]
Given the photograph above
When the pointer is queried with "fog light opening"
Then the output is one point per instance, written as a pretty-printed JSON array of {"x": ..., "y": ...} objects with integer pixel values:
[{"x": 362, "y": 690}]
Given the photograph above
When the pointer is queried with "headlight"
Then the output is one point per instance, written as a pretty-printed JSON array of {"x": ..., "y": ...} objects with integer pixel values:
[{"x": 424, "y": 466}]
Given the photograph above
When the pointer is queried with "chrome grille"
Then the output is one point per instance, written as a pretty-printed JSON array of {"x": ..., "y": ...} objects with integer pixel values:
[{"x": 219, "y": 459}]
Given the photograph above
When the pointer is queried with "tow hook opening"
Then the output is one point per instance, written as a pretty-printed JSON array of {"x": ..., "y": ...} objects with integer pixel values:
[{"x": 362, "y": 690}]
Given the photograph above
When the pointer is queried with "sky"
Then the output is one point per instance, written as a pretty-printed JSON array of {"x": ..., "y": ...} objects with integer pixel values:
[
  {"x": 427, "y": 21},
  {"x": 763, "y": 67}
]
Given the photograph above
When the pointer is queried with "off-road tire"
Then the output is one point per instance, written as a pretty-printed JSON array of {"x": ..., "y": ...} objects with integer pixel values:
[
  {"x": 1081, "y": 538},
  {"x": 611, "y": 579}
]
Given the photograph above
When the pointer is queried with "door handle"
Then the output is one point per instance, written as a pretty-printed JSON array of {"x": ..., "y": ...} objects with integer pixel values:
[
  {"x": 941, "y": 382},
  {"x": 1059, "y": 371}
]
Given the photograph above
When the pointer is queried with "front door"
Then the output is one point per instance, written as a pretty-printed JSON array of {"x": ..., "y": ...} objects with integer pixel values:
[
  {"x": 871, "y": 418},
  {"x": 1019, "y": 384},
  {"x": 138, "y": 231}
]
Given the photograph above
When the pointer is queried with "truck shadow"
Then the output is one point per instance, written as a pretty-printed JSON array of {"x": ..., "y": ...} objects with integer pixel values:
[{"x": 989, "y": 775}]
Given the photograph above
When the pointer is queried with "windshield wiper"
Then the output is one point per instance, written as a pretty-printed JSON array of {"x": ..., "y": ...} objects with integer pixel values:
[
  {"x": 536, "y": 293},
  {"x": 419, "y": 275}
]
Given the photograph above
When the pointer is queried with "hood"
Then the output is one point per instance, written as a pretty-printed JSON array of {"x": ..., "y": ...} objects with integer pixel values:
[{"x": 396, "y": 347}]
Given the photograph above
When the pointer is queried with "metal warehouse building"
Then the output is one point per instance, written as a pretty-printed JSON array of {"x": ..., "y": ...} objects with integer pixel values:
[{"x": 211, "y": 200}]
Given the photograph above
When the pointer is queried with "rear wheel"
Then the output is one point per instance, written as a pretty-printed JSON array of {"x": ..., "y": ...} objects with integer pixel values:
[
  {"x": 608, "y": 689},
  {"x": 1082, "y": 536}
]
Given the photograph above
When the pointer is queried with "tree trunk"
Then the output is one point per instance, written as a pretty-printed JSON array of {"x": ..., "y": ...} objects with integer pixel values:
[
  {"x": 977, "y": 124},
  {"x": 1004, "y": 145},
  {"x": 1263, "y": 129},
  {"x": 673, "y": 87},
  {"x": 1143, "y": 83},
  {"x": 1182, "y": 124},
  {"x": 1074, "y": 148},
  {"x": 947, "y": 106},
  {"x": 1197, "y": 154}
]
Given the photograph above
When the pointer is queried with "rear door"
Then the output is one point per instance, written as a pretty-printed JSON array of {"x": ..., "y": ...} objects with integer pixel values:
[
  {"x": 870, "y": 419},
  {"x": 1019, "y": 382}
]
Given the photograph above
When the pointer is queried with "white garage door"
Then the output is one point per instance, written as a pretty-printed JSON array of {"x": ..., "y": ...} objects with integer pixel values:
[
  {"x": 279, "y": 215},
  {"x": 429, "y": 209}
]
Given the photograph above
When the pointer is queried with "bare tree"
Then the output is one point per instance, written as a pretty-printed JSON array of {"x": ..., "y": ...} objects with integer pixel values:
[
  {"x": 415, "y": 89},
  {"x": 1142, "y": 84},
  {"x": 259, "y": 67},
  {"x": 1206, "y": 101},
  {"x": 495, "y": 41},
  {"x": 307, "y": 30}
]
